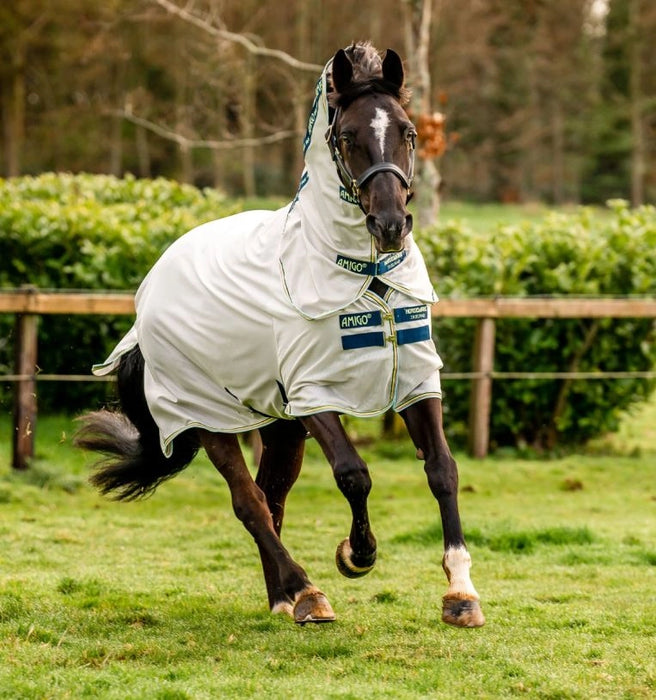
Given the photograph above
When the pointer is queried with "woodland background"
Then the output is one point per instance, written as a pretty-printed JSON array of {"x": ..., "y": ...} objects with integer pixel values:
[{"x": 551, "y": 100}]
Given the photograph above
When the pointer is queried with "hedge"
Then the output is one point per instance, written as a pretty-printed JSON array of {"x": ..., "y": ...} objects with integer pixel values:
[
  {"x": 62, "y": 231},
  {"x": 100, "y": 232},
  {"x": 608, "y": 253}
]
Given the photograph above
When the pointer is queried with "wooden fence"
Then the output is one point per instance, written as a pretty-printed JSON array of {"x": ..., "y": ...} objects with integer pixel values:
[{"x": 29, "y": 304}]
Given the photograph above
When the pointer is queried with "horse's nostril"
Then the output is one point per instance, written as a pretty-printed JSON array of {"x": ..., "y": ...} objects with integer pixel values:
[
  {"x": 389, "y": 232},
  {"x": 386, "y": 226},
  {"x": 372, "y": 225}
]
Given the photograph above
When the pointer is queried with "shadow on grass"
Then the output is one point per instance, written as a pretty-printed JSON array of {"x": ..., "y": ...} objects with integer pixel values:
[{"x": 44, "y": 477}]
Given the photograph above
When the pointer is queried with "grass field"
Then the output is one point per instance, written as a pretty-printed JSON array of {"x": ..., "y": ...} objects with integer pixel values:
[
  {"x": 485, "y": 217},
  {"x": 164, "y": 599},
  {"x": 480, "y": 216}
]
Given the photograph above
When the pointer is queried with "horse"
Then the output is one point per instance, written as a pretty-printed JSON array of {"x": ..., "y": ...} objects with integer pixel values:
[{"x": 283, "y": 321}]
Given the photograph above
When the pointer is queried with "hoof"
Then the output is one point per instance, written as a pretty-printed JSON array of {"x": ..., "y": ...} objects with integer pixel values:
[
  {"x": 312, "y": 606},
  {"x": 284, "y": 607},
  {"x": 462, "y": 612},
  {"x": 345, "y": 564}
]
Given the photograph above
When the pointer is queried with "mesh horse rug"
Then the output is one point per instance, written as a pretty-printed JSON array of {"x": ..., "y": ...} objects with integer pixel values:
[{"x": 267, "y": 315}]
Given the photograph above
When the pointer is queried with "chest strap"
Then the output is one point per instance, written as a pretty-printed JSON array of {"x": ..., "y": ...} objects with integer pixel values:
[{"x": 372, "y": 269}]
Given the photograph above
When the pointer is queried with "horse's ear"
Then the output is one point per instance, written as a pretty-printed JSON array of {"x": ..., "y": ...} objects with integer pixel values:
[
  {"x": 342, "y": 71},
  {"x": 393, "y": 68}
]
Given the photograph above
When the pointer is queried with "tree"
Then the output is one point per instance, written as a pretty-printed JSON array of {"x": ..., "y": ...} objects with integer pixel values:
[
  {"x": 638, "y": 23},
  {"x": 548, "y": 100},
  {"x": 23, "y": 27},
  {"x": 622, "y": 156},
  {"x": 418, "y": 23}
]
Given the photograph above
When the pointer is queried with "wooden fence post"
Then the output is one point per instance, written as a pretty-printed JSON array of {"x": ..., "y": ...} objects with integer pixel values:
[
  {"x": 481, "y": 391},
  {"x": 25, "y": 391}
]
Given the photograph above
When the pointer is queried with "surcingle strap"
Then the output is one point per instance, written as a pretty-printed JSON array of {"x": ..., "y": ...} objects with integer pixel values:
[
  {"x": 363, "y": 340},
  {"x": 372, "y": 269},
  {"x": 405, "y": 336},
  {"x": 413, "y": 335}
]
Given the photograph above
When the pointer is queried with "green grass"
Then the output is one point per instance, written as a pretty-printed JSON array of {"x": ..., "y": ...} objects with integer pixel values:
[
  {"x": 484, "y": 217},
  {"x": 164, "y": 599},
  {"x": 481, "y": 217}
]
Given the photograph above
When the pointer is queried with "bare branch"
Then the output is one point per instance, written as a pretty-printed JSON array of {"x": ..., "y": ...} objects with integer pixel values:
[
  {"x": 240, "y": 39},
  {"x": 211, "y": 144}
]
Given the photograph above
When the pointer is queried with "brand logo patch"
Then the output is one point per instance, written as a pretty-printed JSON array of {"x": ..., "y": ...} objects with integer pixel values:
[
  {"x": 345, "y": 195},
  {"x": 410, "y": 313},
  {"x": 313, "y": 116},
  {"x": 362, "y": 267},
  {"x": 362, "y": 320}
]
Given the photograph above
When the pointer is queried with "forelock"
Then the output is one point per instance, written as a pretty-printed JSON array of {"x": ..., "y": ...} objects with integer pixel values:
[{"x": 367, "y": 78}]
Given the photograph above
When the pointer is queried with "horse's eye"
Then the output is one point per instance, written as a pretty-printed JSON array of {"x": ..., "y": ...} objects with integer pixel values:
[
  {"x": 411, "y": 137},
  {"x": 346, "y": 140}
]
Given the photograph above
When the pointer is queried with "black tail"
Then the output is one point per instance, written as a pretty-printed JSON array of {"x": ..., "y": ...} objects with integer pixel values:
[{"x": 134, "y": 465}]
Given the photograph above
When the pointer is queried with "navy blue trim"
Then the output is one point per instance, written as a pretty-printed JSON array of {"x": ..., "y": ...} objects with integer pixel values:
[
  {"x": 372, "y": 269},
  {"x": 413, "y": 335},
  {"x": 363, "y": 340},
  {"x": 305, "y": 178},
  {"x": 411, "y": 313},
  {"x": 313, "y": 116}
]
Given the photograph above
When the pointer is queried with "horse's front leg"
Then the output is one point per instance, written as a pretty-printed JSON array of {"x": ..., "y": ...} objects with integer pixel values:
[
  {"x": 460, "y": 604},
  {"x": 250, "y": 506},
  {"x": 356, "y": 555},
  {"x": 280, "y": 464}
]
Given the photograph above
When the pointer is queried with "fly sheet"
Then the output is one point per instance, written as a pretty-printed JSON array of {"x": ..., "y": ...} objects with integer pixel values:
[{"x": 267, "y": 315}]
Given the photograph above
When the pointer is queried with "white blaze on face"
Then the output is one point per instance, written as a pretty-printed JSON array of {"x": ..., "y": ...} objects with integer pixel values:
[{"x": 379, "y": 124}]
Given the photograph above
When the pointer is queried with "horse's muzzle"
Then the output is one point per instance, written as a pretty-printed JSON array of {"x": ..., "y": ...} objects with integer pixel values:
[{"x": 389, "y": 231}]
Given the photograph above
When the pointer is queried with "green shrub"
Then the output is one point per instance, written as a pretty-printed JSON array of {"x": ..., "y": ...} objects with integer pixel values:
[
  {"x": 100, "y": 232},
  {"x": 61, "y": 231},
  {"x": 581, "y": 254}
]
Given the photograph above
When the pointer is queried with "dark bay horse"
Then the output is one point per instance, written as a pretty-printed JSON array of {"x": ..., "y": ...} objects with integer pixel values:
[{"x": 282, "y": 321}]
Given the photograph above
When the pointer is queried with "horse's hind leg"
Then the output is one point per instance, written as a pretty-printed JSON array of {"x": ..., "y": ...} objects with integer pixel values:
[
  {"x": 283, "y": 444},
  {"x": 356, "y": 555},
  {"x": 250, "y": 506},
  {"x": 460, "y": 604}
]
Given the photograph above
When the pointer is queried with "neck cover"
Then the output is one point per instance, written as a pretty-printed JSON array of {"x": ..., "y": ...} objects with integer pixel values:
[{"x": 327, "y": 257}]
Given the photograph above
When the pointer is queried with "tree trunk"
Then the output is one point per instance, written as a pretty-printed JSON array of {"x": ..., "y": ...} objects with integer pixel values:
[
  {"x": 220, "y": 126},
  {"x": 427, "y": 189},
  {"x": 248, "y": 126},
  {"x": 557, "y": 152},
  {"x": 143, "y": 152},
  {"x": 638, "y": 155},
  {"x": 304, "y": 52},
  {"x": 418, "y": 19},
  {"x": 13, "y": 97},
  {"x": 531, "y": 146},
  {"x": 186, "y": 164},
  {"x": 14, "y": 116},
  {"x": 116, "y": 146}
]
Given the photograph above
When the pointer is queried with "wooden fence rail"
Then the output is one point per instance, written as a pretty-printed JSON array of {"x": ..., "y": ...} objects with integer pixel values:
[{"x": 28, "y": 304}]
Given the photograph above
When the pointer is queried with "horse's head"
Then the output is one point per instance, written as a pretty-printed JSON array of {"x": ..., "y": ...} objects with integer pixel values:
[{"x": 372, "y": 142}]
